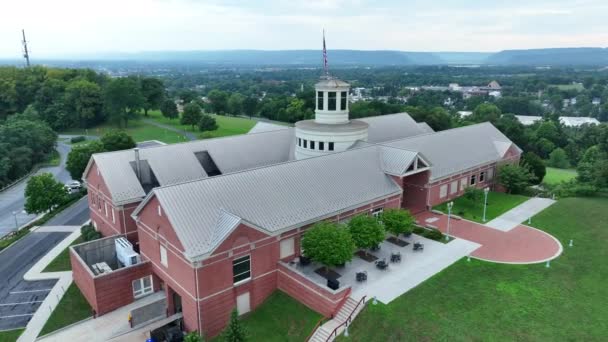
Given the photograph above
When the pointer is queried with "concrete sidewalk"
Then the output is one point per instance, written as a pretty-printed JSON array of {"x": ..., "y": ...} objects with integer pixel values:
[
  {"x": 43, "y": 313},
  {"x": 519, "y": 214}
]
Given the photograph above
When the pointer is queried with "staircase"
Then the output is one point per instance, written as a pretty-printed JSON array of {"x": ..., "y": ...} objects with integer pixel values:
[{"x": 335, "y": 326}]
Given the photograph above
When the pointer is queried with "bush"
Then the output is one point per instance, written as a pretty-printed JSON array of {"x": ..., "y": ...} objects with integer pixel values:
[
  {"x": 433, "y": 234},
  {"x": 418, "y": 230},
  {"x": 89, "y": 233},
  {"x": 575, "y": 189},
  {"x": 78, "y": 139}
]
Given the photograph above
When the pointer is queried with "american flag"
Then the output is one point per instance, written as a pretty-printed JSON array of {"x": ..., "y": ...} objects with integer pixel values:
[{"x": 324, "y": 54}]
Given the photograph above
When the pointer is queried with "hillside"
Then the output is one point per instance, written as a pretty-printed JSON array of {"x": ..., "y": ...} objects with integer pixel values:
[{"x": 562, "y": 56}]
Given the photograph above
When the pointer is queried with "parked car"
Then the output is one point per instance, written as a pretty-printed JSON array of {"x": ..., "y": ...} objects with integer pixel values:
[{"x": 73, "y": 186}]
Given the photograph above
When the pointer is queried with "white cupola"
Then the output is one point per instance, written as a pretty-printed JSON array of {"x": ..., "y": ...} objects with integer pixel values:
[{"x": 331, "y": 101}]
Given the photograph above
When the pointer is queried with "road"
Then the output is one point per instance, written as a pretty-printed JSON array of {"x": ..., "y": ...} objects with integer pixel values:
[
  {"x": 12, "y": 200},
  {"x": 19, "y": 299}
]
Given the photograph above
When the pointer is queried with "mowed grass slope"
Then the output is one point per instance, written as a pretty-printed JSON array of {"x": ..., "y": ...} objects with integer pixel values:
[
  {"x": 62, "y": 261},
  {"x": 227, "y": 125},
  {"x": 556, "y": 176},
  {"x": 10, "y": 335},
  {"x": 481, "y": 301},
  {"x": 72, "y": 308},
  {"x": 498, "y": 203},
  {"x": 139, "y": 130}
]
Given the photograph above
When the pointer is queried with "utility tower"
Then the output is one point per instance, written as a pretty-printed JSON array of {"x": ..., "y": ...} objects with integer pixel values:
[{"x": 26, "y": 53}]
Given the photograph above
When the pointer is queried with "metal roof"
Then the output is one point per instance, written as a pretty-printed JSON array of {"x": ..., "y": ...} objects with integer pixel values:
[
  {"x": 392, "y": 126},
  {"x": 275, "y": 198},
  {"x": 262, "y": 126}
]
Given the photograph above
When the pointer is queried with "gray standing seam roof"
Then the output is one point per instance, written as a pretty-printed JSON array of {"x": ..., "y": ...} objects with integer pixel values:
[{"x": 392, "y": 126}]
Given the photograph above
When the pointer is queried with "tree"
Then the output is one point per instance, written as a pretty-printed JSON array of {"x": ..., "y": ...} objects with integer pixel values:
[
  {"x": 153, "y": 92},
  {"x": 559, "y": 159},
  {"x": 536, "y": 165},
  {"x": 169, "y": 109},
  {"x": 35, "y": 135},
  {"x": 123, "y": 99},
  {"x": 235, "y": 332},
  {"x": 328, "y": 243},
  {"x": 117, "y": 140},
  {"x": 397, "y": 221},
  {"x": 365, "y": 231},
  {"x": 235, "y": 104},
  {"x": 486, "y": 112},
  {"x": 194, "y": 336},
  {"x": 514, "y": 178},
  {"x": 219, "y": 101},
  {"x": 473, "y": 194},
  {"x": 43, "y": 193},
  {"x": 207, "y": 123},
  {"x": 85, "y": 100},
  {"x": 79, "y": 156},
  {"x": 544, "y": 147},
  {"x": 250, "y": 106},
  {"x": 548, "y": 130},
  {"x": 192, "y": 115}
]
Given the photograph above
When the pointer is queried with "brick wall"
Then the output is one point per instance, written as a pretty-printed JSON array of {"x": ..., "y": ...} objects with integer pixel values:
[{"x": 83, "y": 278}]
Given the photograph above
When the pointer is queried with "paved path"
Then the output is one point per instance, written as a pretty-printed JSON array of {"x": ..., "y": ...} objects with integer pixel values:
[
  {"x": 519, "y": 214},
  {"x": 520, "y": 245},
  {"x": 189, "y": 135}
]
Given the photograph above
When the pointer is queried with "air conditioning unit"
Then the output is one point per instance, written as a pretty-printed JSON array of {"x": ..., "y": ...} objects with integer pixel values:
[{"x": 125, "y": 253}]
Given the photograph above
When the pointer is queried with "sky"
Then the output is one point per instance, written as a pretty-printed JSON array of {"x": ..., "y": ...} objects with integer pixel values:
[{"x": 69, "y": 28}]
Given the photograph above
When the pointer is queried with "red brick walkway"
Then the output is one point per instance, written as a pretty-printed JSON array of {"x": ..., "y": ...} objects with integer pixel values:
[{"x": 520, "y": 245}]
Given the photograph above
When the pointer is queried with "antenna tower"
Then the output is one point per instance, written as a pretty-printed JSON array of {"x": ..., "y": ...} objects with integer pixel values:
[{"x": 26, "y": 53}]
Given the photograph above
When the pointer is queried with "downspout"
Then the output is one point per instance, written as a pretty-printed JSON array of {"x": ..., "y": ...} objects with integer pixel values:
[{"x": 198, "y": 304}]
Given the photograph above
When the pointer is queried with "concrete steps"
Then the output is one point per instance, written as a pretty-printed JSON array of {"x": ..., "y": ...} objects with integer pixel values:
[{"x": 322, "y": 334}]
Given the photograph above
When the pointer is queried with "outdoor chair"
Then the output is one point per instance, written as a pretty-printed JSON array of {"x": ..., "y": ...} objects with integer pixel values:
[
  {"x": 381, "y": 264},
  {"x": 361, "y": 276},
  {"x": 418, "y": 246},
  {"x": 333, "y": 284},
  {"x": 304, "y": 261},
  {"x": 396, "y": 257}
]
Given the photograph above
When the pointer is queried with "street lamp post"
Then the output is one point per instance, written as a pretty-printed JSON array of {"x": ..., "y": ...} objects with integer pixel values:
[
  {"x": 485, "y": 202},
  {"x": 450, "y": 204}
]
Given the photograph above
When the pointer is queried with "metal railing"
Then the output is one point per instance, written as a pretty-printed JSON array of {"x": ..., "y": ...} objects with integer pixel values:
[{"x": 347, "y": 321}]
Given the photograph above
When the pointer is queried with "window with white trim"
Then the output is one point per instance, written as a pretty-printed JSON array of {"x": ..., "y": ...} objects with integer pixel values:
[
  {"x": 330, "y": 146},
  {"x": 482, "y": 176},
  {"x": 443, "y": 191},
  {"x": 105, "y": 208},
  {"x": 241, "y": 269},
  {"x": 377, "y": 212},
  {"x": 160, "y": 213},
  {"x": 287, "y": 248},
  {"x": 312, "y": 145},
  {"x": 490, "y": 174},
  {"x": 463, "y": 183},
  {"x": 163, "y": 256},
  {"x": 142, "y": 286},
  {"x": 321, "y": 146},
  {"x": 113, "y": 216},
  {"x": 473, "y": 178},
  {"x": 454, "y": 187}
]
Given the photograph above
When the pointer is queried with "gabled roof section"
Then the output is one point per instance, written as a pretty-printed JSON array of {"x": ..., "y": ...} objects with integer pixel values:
[
  {"x": 274, "y": 198},
  {"x": 396, "y": 161},
  {"x": 262, "y": 126},
  {"x": 392, "y": 126}
]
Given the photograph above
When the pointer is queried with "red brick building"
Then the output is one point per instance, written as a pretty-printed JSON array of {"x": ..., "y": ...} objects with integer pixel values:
[{"x": 214, "y": 221}]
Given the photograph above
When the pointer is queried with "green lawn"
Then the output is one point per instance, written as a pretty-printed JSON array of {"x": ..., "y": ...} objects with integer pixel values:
[
  {"x": 62, "y": 261},
  {"x": 10, "y": 335},
  {"x": 227, "y": 125},
  {"x": 482, "y": 301},
  {"x": 279, "y": 318},
  {"x": 53, "y": 159},
  {"x": 498, "y": 203},
  {"x": 139, "y": 130},
  {"x": 556, "y": 176},
  {"x": 72, "y": 308}
]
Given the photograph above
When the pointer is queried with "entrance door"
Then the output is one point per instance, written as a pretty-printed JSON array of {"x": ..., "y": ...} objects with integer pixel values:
[
  {"x": 243, "y": 303},
  {"x": 177, "y": 302}
]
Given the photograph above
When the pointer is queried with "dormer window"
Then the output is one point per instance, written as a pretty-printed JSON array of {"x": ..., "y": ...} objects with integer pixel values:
[{"x": 331, "y": 100}]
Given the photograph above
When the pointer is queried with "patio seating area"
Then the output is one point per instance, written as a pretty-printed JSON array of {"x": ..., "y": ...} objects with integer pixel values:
[{"x": 395, "y": 269}]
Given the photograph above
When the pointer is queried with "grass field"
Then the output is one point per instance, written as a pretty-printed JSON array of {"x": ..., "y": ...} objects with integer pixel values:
[
  {"x": 481, "y": 301},
  {"x": 10, "y": 335},
  {"x": 62, "y": 261},
  {"x": 576, "y": 86},
  {"x": 72, "y": 308},
  {"x": 279, "y": 318},
  {"x": 498, "y": 203},
  {"x": 139, "y": 130},
  {"x": 556, "y": 176},
  {"x": 227, "y": 125}
]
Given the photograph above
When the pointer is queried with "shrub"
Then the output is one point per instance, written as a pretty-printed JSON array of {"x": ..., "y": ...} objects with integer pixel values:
[
  {"x": 574, "y": 188},
  {"x": 78, "y": 139},
  {"x": 433, "y": 234},
  {"x": 418, "y": 230},
  {"x": 89, "y": 233}
]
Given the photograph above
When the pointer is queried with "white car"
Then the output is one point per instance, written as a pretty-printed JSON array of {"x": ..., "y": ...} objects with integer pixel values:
[{"x": 73, "y": 186}]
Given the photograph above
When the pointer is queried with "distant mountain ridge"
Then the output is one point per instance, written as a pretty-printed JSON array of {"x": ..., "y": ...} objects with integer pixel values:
[{"x": 558, "y": 56}]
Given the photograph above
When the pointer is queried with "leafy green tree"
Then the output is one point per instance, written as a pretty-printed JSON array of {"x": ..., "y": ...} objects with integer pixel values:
[
  {"x": 365, "y": 231},
  {"x": 512, "y": 128},
  {"x": 473, "y": 194},
  {"x": 117, "y": 140},
  {"x": 548, "y": 130},
  {"x": 43, "y": 193},
  {"x": 169, "y": 109},
  {"x": 544, "y": 147},
  {"x": 250, "y": 106},
  {"x": 328, "y": 243},
  {"x": 79, "y": 156},
  {"x": 194, "y": 336},
  {"x": 153, "y": 91},
  {"x": 123, "y": 99},
  {"x": 536, "y": 165},
  {"x": 36, "y": 135},
  {"x": 397, "y": 221},
  {"x": 8, "y": 98},
  {"x": 192, "y": 115},
  {"x": 514, "y": 178},
  {"x": 85, "y": 100},
  {"x": 486, "y": 112},
  {"x": 235, "y": 104},
  {"x": 219, "y": 101},
  {"x": 207, "y": 123},
  {"x": 559, "y": 159},
  {"x": 235, "y": 331}
]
